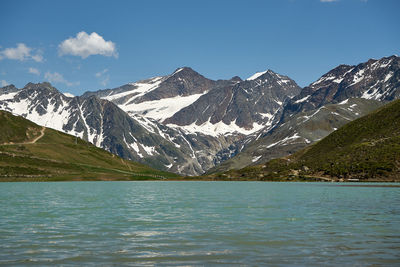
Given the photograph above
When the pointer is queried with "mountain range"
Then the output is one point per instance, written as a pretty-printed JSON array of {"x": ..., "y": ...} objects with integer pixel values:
[{"x": 189, "y": 124}]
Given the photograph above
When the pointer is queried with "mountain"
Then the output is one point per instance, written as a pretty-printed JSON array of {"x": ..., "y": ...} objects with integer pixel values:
[
  {"x": 32, "y": 152},
  {"x": 249, "y": 105},
  {"x": 213, "y": 116},
  {"x": 366, "y": 149},
  {"x": 187, "y": 100},
  {"x": 140, "y": 121},
  {"x": 338, "y": 97}
]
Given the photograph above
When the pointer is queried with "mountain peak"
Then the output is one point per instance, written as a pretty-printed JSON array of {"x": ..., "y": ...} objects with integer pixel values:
[
  {"x": 260, "y": 74},
  {"x": 43, "y": 85},
  {"x": 8, "y": 88},
  {"x": 236, "y": 79},
  {"x": 184, "y": 71},
  {"x": 256, "y": 75}
]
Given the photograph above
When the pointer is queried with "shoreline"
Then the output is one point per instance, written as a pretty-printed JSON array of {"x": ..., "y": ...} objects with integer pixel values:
[{"x": 62, "y": 179}]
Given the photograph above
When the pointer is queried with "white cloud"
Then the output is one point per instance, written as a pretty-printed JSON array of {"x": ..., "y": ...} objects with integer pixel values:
[
  {"x": 104, "y": 79},
  {"x": 101, "y": 73},
  {"x": 3, "y": 83},
  {"x": 34, "y": 71},
  {"x": 56, "y": 77},
  {"x": 37, "y": 58},
  {"x": 21, "y": 52},
  {"x": 85, "y": 45}
]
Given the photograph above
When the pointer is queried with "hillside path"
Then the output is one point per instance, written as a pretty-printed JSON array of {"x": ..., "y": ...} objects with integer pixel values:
[
  {"x": 28, "y": 142},
  {"x": 37, "y": 138}
]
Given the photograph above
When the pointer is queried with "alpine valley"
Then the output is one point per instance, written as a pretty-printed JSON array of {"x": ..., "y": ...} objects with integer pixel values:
[{"x": 188, "y": 124}]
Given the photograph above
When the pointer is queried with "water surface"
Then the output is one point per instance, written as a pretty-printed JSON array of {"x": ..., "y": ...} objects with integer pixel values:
[{"x": 198, "y": 223}]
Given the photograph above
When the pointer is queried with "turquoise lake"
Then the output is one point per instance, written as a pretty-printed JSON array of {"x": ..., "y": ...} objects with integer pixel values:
[{"x": 198, "y": 223}]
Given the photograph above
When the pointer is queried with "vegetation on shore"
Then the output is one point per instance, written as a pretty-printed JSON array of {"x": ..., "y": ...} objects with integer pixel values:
[{"x": 29, "y": 152}]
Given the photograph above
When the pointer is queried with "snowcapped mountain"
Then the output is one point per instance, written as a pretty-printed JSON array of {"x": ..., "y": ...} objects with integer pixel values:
[
  {"x": 216, "y": 115},
  {"x": 160, "y": 97},
  {"x": 338, "y": 97},
  {"x": 374, "y": 79},
  {"x": 189, "y": 101},
  {"x": 139, "y": 121},
  {"x": 237, "y": 106},
  {"x": 188, "y": 124}
]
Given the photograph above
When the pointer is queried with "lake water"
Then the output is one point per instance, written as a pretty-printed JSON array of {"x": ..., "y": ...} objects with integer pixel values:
[{"x": 198, "y": 223}]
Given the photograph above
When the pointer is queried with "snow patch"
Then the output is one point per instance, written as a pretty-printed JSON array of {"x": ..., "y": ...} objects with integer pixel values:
[
  {"x": 150, "y": 150},
  {"x": 388, "y": 76},
  {"x": 338, "y": 80},
  {"x": 68, "y": 94},
  {"x": 256, "y": 75},
  {"x": 217, "y": 129},
  {"x": 302, "y": 100},
  {"x": 168, "y": 166},
  {"x": 140, "y": 88},
  {"x": 163, "y": 108},
  {"x": 358, "y": 77},
  {"x": 371, "y": 95},
  {"x": 285, "y": 140},
  {"x": 178, "y": 70},
  {"x": 266, "y": 115},
  {"x": 8, "y": 96},
  {"x": 384, "y": 65}
]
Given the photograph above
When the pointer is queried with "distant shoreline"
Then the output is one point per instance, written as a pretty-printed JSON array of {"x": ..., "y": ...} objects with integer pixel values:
[{"x": 337, "y": 183}]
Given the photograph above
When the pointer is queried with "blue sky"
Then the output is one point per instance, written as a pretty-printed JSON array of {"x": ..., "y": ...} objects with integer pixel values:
[{"x": 91, "y": 45}]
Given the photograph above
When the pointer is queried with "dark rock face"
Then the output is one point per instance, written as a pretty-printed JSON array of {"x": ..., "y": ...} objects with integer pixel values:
[
  {"x": 243, "y": 102},
  {"x": 8, "y": 89},
  {"x": 182, "y": 82}
]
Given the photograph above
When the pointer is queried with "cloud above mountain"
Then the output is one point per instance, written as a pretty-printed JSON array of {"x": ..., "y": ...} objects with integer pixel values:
[
  {"x": 3, "y": 83},
  {"x": 21, "y": 52},
  {"x": 34, "y": 71},
  {"x": 85, "y": 45},
  {"x": 56, "y": 77},
  {"x": 103, "y": 77}
]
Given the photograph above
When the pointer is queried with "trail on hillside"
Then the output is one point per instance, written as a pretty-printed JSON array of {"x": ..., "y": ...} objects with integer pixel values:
[
  {"x": 37, "y": 138},
  {"x": 28, "y": 142}
]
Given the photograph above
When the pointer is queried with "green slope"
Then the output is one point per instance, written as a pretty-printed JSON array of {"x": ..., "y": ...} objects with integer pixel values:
[
  {"x": 32, "y": 152},
  {"x": 367, "y": 149}
]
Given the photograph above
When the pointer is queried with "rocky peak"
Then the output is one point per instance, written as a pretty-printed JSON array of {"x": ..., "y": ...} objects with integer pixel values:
[
  {"x": 43, "y": 85},
  {"x": 8, "y": 89},
  {"x": 236, "y": 79},
  {"x": 184, "y": 71},
  {"x": 374, "y": 79},
  {"x": 183, "y": 82}
]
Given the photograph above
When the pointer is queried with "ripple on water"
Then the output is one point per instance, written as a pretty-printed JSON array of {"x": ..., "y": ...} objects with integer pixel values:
[{"x": 198, "y": 223}]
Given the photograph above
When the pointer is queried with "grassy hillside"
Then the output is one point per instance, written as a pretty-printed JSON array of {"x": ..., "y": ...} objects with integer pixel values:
[
  {"x": 367, "y": 149},
  {"x": 32, "y": 152}
]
